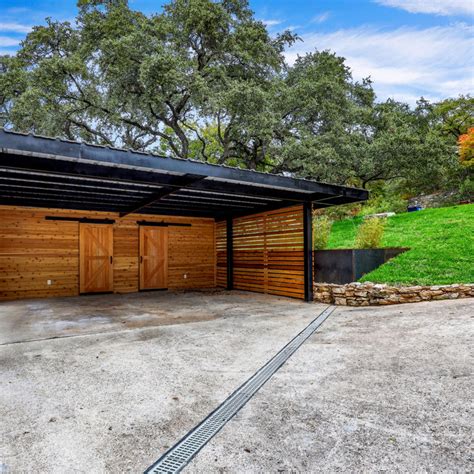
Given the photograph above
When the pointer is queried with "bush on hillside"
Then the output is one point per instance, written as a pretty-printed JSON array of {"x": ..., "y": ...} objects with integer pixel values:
[
  {"x": 466, "y": 190},
  {"x": 370, "y": 232},
  {"x": 321, "y": 232},
  {"x": 384, "y": 203}
]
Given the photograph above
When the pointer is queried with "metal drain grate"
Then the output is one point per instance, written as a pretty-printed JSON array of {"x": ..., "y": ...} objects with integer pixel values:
[{"x": 179, "y": 455}]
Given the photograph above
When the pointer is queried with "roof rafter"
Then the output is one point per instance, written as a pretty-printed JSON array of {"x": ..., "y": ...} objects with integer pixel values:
[{"x": 185, "y": 181}]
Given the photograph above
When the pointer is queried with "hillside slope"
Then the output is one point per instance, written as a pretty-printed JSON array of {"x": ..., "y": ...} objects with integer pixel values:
[{"x": 441, "y": 242}]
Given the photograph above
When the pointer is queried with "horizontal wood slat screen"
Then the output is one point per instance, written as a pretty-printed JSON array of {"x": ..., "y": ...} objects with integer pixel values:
[
  {"x": 268, "y": 252},
  {"x": 34, "y": 250},
  {"x": 221, "y": 254}
]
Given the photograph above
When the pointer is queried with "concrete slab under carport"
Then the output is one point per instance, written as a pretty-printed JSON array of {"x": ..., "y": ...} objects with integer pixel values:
[
  {"x": 111, "y": 399},
  {"x": 374, "y": 389},
  {"x": 49, "y": 318}
]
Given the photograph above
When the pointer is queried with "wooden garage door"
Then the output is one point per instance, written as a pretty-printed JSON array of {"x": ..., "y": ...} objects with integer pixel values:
[
  {"x": 153, "y": 258},
  {"x": 96, "y": 258}
]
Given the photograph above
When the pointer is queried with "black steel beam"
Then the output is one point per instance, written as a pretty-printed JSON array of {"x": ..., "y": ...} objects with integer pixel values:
[
  {"x": 308, "y": 250},
  {"x": 66, "y": 188},
  {"x": 250, "y": 190},
  {"x": 61, "y": 194},
  {"x": 26, "y": 188},
  {"x": 213, "y": 200},
  {"x": 178, "y": 212},
  {"x": 230, "y": 254},
  {"x": 66, "y": 180},
  {"x": 87, "y": 206},
  {"x": 34, "y": 200},
  {"x": 171, "y": 201},
  {"x": 183, "y": 181},
  {"x": 249, "y": 212},
  {"x": 55, "y": 204},
  {"x": 209, "y": 194},
  {"x": 90, "y": 170},
  {"x": 199, "y": 205}
]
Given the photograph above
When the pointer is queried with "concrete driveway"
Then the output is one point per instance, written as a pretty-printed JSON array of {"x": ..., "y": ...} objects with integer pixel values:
[{"x": 375, "y": 389}]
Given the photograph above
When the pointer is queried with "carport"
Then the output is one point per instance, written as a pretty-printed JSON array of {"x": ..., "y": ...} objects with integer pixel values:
[
  {"x": 108, "y": 382},
  {"x": 77, "y": 218}
]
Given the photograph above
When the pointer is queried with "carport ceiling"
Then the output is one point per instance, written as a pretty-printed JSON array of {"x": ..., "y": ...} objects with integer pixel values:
[{"x": 45, "y": 172}]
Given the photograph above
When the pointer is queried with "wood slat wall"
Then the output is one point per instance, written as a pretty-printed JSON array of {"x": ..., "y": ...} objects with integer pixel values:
[
  {"x": 221, "y": 254},
  {"x": 268, "y": 252},
  {"x": 33, "y": 250}
]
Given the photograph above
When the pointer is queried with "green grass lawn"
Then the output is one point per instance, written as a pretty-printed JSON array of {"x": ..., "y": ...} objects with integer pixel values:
[{"x": 441, "y": 242}]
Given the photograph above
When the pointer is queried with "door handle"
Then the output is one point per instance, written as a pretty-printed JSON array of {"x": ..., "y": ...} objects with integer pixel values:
[
  {"x": 111, "y": 259},
  {"x": 141, "y": 258}
]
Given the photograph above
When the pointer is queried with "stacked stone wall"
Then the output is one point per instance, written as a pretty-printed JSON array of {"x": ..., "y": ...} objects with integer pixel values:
[{"x": 368, "y": 294}]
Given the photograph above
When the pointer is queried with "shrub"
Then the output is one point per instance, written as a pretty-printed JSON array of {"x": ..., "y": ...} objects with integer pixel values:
[
  {"x": 321, "y": 231},
  {"x": 370, "y": 232},
  {"x": 384, "y": 203},
  {"x": 343, "y": 211},
  {"x": 466, "y": 190}
]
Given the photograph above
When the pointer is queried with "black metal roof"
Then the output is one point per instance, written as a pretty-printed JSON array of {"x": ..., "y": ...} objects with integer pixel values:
[{"x": 47, "y": 172}]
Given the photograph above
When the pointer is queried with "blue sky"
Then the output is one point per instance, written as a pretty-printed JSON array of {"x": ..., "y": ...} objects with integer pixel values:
[{"x": 409, "y": 48}]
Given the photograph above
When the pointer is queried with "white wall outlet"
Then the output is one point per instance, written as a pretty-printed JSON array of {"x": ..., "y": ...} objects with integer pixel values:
[
  {"x": 50, "y": 282},
  {"x": 185, "y": 276}
]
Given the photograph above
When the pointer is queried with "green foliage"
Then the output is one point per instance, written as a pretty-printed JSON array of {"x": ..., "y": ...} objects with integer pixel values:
[
  {"x": 321, "y": 232},
  {"x": 441, "y": 242},
  {"x": 466, "y": 190},
  {"x": 121, "y": 78},
  {"x": 344, "y": 211},
  {"x": 369, "y": 233},
  {"x": 455, "y": 116},
  {"x": 384, "y": 197},
  {"x": 377, "y": 204}
]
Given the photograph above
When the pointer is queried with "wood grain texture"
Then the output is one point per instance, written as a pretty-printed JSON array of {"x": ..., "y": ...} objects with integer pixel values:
[
  {"x": 96, "y": 249},
  {"x": 221, "y": 254},
  {"x": 268, "y": 252},
  {"x": 33, "y": 251},
  {"x": 153, "y": 258}
]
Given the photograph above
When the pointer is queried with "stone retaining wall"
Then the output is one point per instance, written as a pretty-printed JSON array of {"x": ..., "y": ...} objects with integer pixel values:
[{"x": 366, "y": 294}]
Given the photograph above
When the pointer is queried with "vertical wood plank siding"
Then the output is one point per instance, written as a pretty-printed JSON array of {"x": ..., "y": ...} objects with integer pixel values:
[
  {"x": 268, "y": 252},
  {"x": 33, "y": 251}
]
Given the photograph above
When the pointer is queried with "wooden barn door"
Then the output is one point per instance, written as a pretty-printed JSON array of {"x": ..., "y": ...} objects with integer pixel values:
[
  {"x": 153, "y": 258},
  {"x": 96, "y": 258}
]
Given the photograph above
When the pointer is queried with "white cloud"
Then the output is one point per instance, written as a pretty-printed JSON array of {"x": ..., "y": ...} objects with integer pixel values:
[
  {"x": 436, "y": 7},
  {"x": 15, "y": 10},
  {"x": 270, "y": 23},
  {"x": 293, "y": 27},
  {"x": 321, "y": 18},
  {"x": 7, "y": 41},
  {"x": 404, "y": 63},
  {"x": 14, "y": 27}
]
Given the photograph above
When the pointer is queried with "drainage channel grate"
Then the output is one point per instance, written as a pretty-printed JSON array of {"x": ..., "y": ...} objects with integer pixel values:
[{"x": 179, "y": 455}]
